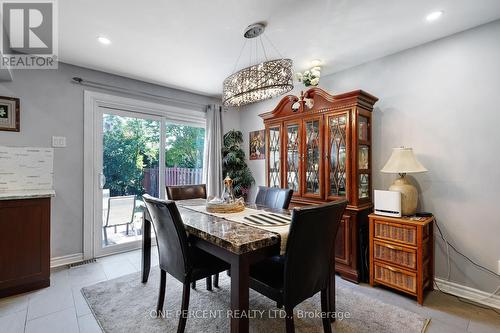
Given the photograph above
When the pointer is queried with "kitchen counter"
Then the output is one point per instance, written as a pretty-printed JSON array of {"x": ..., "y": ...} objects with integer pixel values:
[{"x": 26, "y": 194}]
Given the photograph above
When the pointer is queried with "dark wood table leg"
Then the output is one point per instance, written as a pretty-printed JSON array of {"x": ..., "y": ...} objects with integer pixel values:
[
  {"x": 240, "y": 278},
  {"x": 331, "y": 297},
  {"x": 146, "y": 246},
  {"x": 240, "y": 269}
]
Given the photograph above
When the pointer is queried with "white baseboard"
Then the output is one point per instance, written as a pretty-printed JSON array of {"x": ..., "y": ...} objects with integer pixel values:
[
  {"x": 65, "y": 260},
  {"x": 469, "y": 293}
]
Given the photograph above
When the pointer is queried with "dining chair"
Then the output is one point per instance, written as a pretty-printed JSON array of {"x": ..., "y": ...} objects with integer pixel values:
[
  {"x": 274, "y": 197},
  {"x": 186, "y": 192},
  {"x": 120, "y": 211},
  {"x": 305, "y": 268},
  {"x": 177, "y": 256}
]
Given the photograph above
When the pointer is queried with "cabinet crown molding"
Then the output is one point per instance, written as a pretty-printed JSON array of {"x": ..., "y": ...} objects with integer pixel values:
[{"x": 322, "y": 101}]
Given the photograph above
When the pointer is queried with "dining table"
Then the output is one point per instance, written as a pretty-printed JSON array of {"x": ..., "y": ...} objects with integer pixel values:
[{"x": 239, "y": 244}]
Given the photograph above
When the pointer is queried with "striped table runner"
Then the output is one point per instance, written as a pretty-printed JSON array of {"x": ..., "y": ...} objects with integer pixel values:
[{"x": 277, "y": 223}]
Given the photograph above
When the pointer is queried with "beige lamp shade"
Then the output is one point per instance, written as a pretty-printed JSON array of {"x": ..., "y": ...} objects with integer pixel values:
[{"x": 403, "y": 160}]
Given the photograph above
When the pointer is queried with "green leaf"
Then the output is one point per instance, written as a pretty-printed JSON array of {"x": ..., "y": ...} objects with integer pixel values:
[{"x": 233, "y": 162}]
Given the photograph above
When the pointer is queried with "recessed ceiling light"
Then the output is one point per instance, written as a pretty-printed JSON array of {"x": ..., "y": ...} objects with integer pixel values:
[
  {"x": 103, "y": 40},
  {"x": 316, "y": 63},
  {"x": 434, "y": 15}
]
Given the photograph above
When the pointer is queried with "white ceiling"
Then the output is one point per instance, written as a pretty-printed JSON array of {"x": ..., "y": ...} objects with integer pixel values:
[{"x": 194, "y": 44}]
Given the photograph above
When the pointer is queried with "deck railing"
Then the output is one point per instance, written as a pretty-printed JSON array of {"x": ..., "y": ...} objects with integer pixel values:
[{"x": 173, "y": 176}]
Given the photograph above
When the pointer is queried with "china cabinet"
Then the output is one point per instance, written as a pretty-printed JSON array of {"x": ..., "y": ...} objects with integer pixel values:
[{"x": 319, "y": 145}]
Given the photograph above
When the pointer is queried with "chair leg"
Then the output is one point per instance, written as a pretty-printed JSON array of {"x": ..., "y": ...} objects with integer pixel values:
[
  {"x": 115, "y": 229},
  {"x": 161, "y": 295},
  {"x": 327, "y": 328},
  {"x": 193, "y": 285},
  {"x": 330, "y": 302},
  {"x": 105, "y": 235},
  {"x": 290, "y": 328},
  {"x": 184, "y": 308},
  {"x": 127, "y": 230},
  {"x": 209, "y": 283},
  {"x": 216, "y": 280}
]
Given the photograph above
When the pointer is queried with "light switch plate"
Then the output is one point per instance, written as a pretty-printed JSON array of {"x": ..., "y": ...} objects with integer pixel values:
[{"x": 58, "y": 141}]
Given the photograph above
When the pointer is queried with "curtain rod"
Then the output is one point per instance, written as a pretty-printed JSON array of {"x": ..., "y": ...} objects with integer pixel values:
[{"x": 79, "y": 80}]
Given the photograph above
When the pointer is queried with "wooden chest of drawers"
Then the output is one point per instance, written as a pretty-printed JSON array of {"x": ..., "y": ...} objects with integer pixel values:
[{"x": 402, "y": 253}]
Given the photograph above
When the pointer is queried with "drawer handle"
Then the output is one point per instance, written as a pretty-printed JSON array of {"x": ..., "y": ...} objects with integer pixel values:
[
  {"x": 391, "y": 269},
  {"x": 393, "y": 247}
]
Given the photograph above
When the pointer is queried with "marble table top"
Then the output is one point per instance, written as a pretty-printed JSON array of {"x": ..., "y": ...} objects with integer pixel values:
[
  {"x": 236, "y": 237},
  {"x": 26, "y": 194}
]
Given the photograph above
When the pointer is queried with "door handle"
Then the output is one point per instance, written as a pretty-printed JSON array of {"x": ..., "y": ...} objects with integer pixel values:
[{"x": 102, "y": 180}]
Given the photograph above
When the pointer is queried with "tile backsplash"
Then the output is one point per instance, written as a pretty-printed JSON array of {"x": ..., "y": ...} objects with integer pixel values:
[{"x": 26, "y": 168}]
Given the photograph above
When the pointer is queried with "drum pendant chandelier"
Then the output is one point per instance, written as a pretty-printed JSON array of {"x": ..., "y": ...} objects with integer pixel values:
[{"x": 260, "y": 81}]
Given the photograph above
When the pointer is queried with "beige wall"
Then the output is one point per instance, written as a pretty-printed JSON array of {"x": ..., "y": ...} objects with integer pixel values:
[{"x": 442, "y": 99}]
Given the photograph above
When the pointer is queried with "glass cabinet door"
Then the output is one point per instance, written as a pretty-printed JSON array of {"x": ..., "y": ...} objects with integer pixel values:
[
  {"x": 337, "y": 155},
  {"x": 363, "y": 156},
  {"x": 312, "y": 157},
  {"x": 292, "y": 163},
  {"x": 364, "y": 186},
  {"x": 274, "y": 160}
]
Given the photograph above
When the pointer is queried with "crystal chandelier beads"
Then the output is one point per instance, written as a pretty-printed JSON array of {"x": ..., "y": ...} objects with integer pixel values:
[{"x": 258, "y": 82}]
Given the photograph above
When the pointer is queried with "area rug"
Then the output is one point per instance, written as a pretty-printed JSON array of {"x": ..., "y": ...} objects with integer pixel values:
[{"x": 126, "y": 305}]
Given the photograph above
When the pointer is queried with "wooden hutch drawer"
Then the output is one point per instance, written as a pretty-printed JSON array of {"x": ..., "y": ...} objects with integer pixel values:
[
  {"x": 398, "y": 255},
  {"x": 395, "y": 232},
  {"x": 395, "y": 277}
]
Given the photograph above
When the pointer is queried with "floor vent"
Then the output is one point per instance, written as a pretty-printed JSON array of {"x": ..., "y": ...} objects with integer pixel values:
[{"x": 76, "y": 264}]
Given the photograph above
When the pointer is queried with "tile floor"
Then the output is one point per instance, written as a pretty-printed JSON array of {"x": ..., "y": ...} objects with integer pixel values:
[{"x": 61, "y": 307}]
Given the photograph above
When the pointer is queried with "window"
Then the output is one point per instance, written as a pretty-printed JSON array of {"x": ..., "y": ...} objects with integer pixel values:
[{"x": 184, "y": 149}]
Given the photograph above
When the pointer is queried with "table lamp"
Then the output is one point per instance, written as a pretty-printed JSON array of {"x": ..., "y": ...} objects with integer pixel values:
[{"x": 402, "y": 161}]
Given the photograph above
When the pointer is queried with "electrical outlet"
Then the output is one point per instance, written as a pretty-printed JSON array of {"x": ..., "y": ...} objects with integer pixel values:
[{"x": 58, "y": 141}]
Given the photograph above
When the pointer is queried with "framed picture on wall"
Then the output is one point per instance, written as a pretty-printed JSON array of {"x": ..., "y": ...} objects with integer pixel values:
[
  {"x": 9, "y": 114},
  {"x": 257, "y": 145}
]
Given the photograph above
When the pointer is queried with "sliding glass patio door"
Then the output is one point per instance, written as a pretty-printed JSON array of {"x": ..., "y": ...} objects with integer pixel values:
[
  {"x": 138, "y": 153},
  {"x": 184, "y": 149},
  {"x": 128, "y": 147}
]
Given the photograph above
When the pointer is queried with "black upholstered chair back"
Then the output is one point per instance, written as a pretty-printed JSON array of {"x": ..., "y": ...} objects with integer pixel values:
[
  {"x": 274, "y": 197},
  {"x": 310, "y": 250},
  {"x": 171, "y": 238},
  {"x": 185, "y": 192}
]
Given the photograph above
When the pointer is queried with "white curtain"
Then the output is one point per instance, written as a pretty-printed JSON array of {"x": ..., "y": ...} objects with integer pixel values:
[{"x": 213, "y": 151}]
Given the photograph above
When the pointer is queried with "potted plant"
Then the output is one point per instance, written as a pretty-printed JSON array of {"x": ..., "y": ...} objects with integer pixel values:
[{"x": 234, "y": 165}]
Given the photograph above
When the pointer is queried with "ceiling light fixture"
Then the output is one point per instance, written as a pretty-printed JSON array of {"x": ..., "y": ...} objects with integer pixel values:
[
  {"x": 260, "y": 80},
  {"x": 103, "y": 40},
  {"x": 434, "y": 16},
  {"x": 316, "y": 63}
]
